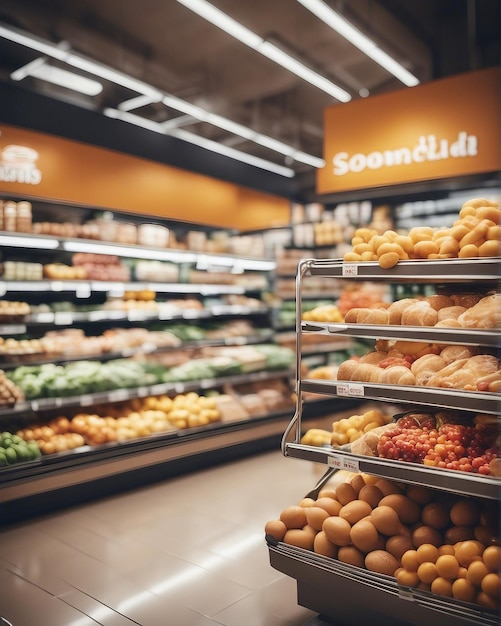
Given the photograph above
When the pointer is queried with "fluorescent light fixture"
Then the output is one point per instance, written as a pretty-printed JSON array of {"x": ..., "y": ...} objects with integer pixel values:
[
  {"x": 338, "y": 23},
  {"x": 242, "y": 131},
  {"x": 40, "y": 69},
  {"x": 137, "y": 102},
  {"x": 215, "y": 16},
  {"x": 202, "y": 142},
  {"x": 28, "y": 242},
  {"x": 296, "y": 67},
  {"x": 149, "y": 94},
  {"x": 232, "y": 153}
]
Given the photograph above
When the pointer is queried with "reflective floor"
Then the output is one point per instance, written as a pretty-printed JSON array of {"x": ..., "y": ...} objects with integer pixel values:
[{"x": 189, "y": 551}]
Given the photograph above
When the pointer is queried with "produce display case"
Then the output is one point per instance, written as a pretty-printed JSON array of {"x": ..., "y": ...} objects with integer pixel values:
[
  {"x": 32, "y": 484},
  {"x": 340, "y": 591}
]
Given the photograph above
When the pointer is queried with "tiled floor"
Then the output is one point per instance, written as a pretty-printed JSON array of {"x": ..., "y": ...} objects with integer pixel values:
[{"x": 189, "y": 551}]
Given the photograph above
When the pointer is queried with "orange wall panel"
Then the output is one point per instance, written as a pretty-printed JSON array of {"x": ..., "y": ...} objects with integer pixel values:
[{"x": 83, "y": 174}]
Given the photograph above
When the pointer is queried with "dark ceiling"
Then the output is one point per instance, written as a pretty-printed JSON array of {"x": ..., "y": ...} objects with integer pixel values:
[{"x": 164, "y": 44}]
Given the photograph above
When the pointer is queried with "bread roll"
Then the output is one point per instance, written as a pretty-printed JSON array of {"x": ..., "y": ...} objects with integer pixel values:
[
  {"x": 419, "y": 314},
  {"x": 469, "y": 373},
  {"x": 450, "y": 312},
  {"x": 363, "y": 371},
  {"x": 484, "y": 314},
  {"x": 428, "y": 363},
  {"x": 398, "y": 375},
  {"x": 396, "y": 308},
  {"x": 448, "y": 323},
  {"x": 374, "y": 358},
  {"x": 438, "y": 302},
  {"x": 466, "y": 299},
  {"x": 346, "y": 369},
  {"x": 441, "y": 378},
  {"x": 453, "y": 353},
  {"x": 366, "y": 445}
]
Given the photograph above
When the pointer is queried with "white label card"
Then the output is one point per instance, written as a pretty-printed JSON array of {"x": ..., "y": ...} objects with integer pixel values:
[
  {"x": 343, "y": 463},
  {"x": 350, "y": 389},
  {"x": 350, "y": 269}
]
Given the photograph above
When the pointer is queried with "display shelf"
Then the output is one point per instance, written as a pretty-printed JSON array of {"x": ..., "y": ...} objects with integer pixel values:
[
  {"x": 356, "y": 595},
  {"x": 429, "y": 334},
  {"x": 164, "y": 313},
  {"x": 359, "y": 596},
  {"x": 147, "y": 348},
  {"x": 445, "y": 480},
  {"x": 418, "y": 271},
  {"x": 62, "y": 244},
  {"x": 83, "y": 288},
  {"x": 121, "y": 395},
  {"x": 477, "y": 401}
]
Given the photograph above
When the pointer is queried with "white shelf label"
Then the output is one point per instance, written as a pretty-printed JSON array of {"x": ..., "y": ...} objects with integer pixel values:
[
  {"x": 343, "y": 463},
  {"x": 350, "y": 389},
  {"x": 350, "y": 269},
  {"x": 86, "y": 400}
]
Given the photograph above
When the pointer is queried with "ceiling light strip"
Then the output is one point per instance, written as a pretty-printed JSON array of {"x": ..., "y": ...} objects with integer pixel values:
[
  {"x": 202, "y": 142},
  {"x": 344, "y": 28},
  {"x": 215, "y": 16},
  {"x": 149, "y": 94}
]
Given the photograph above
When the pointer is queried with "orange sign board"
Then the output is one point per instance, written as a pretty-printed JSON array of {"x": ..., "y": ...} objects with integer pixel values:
[
  {"x": 47, "y": 167},
  {"x": 443, "y": 129}
]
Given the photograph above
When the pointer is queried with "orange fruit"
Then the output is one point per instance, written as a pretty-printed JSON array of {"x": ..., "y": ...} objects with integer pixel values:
[
  {"x": 447, "y": 566},
  {"x": 442, "y": 587},
  {"x": 491, "y": 556},
  {"x": 427, "y": 572},
  {"x": 464, "y": 590},
  {"x": 491, "y": 585}
]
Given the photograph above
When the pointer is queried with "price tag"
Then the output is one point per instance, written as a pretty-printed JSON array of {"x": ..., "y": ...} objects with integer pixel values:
[
  {"x": 334, "y": 461},
  {"x": 63, "y": 319},
  {"x": 351, "y": 465},
  {"x": 350, "y": 269},
  {"x": 343, "y": 463},
  {"x": 86, "y": 400},
  {"x": 118, "y": 396},
  {"x": 350, "y": 389},
  {"x": 12, "y": 329}
]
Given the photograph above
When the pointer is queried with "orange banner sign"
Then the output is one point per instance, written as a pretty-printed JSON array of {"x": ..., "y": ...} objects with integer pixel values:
[{"x": 444, "y": 129}]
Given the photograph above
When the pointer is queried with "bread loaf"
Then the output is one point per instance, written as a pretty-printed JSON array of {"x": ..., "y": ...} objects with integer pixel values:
[
  {"x": 484, "y": 314},
  {"x": 396, "y": 308},
  {"x": 450, "y": 312},
  {"x": 454, "y": 353},
  {"x": 419, "y": 314},
  {"x": 398, "y": 375}
]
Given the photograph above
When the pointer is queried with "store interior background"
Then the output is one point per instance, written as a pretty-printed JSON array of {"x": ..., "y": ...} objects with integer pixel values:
[{"x": 168, "y": 46}]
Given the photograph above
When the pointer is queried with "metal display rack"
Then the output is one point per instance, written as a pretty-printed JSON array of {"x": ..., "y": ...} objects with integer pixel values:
[{"x": 340, "y": 591}]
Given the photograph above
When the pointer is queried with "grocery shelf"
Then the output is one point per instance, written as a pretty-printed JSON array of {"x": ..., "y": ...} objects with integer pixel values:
[
  {"x": 122, "y": 395},
  {"x": 418, "y": 271},
  {"x": 83, "y": 288},
  {"x": 445, "y": 480},
  {"x": 67, "y": 244},
  {"x": 477, "y": 401},
  {"x": 164, "y": 313},
  {"x": 429, "y": 334},
  {"x": 349, "y": 594},
  {"x": 146, "y": 348}
]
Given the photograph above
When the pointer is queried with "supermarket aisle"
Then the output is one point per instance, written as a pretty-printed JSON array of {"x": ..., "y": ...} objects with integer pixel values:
[{"x": 185, "y": 552}]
